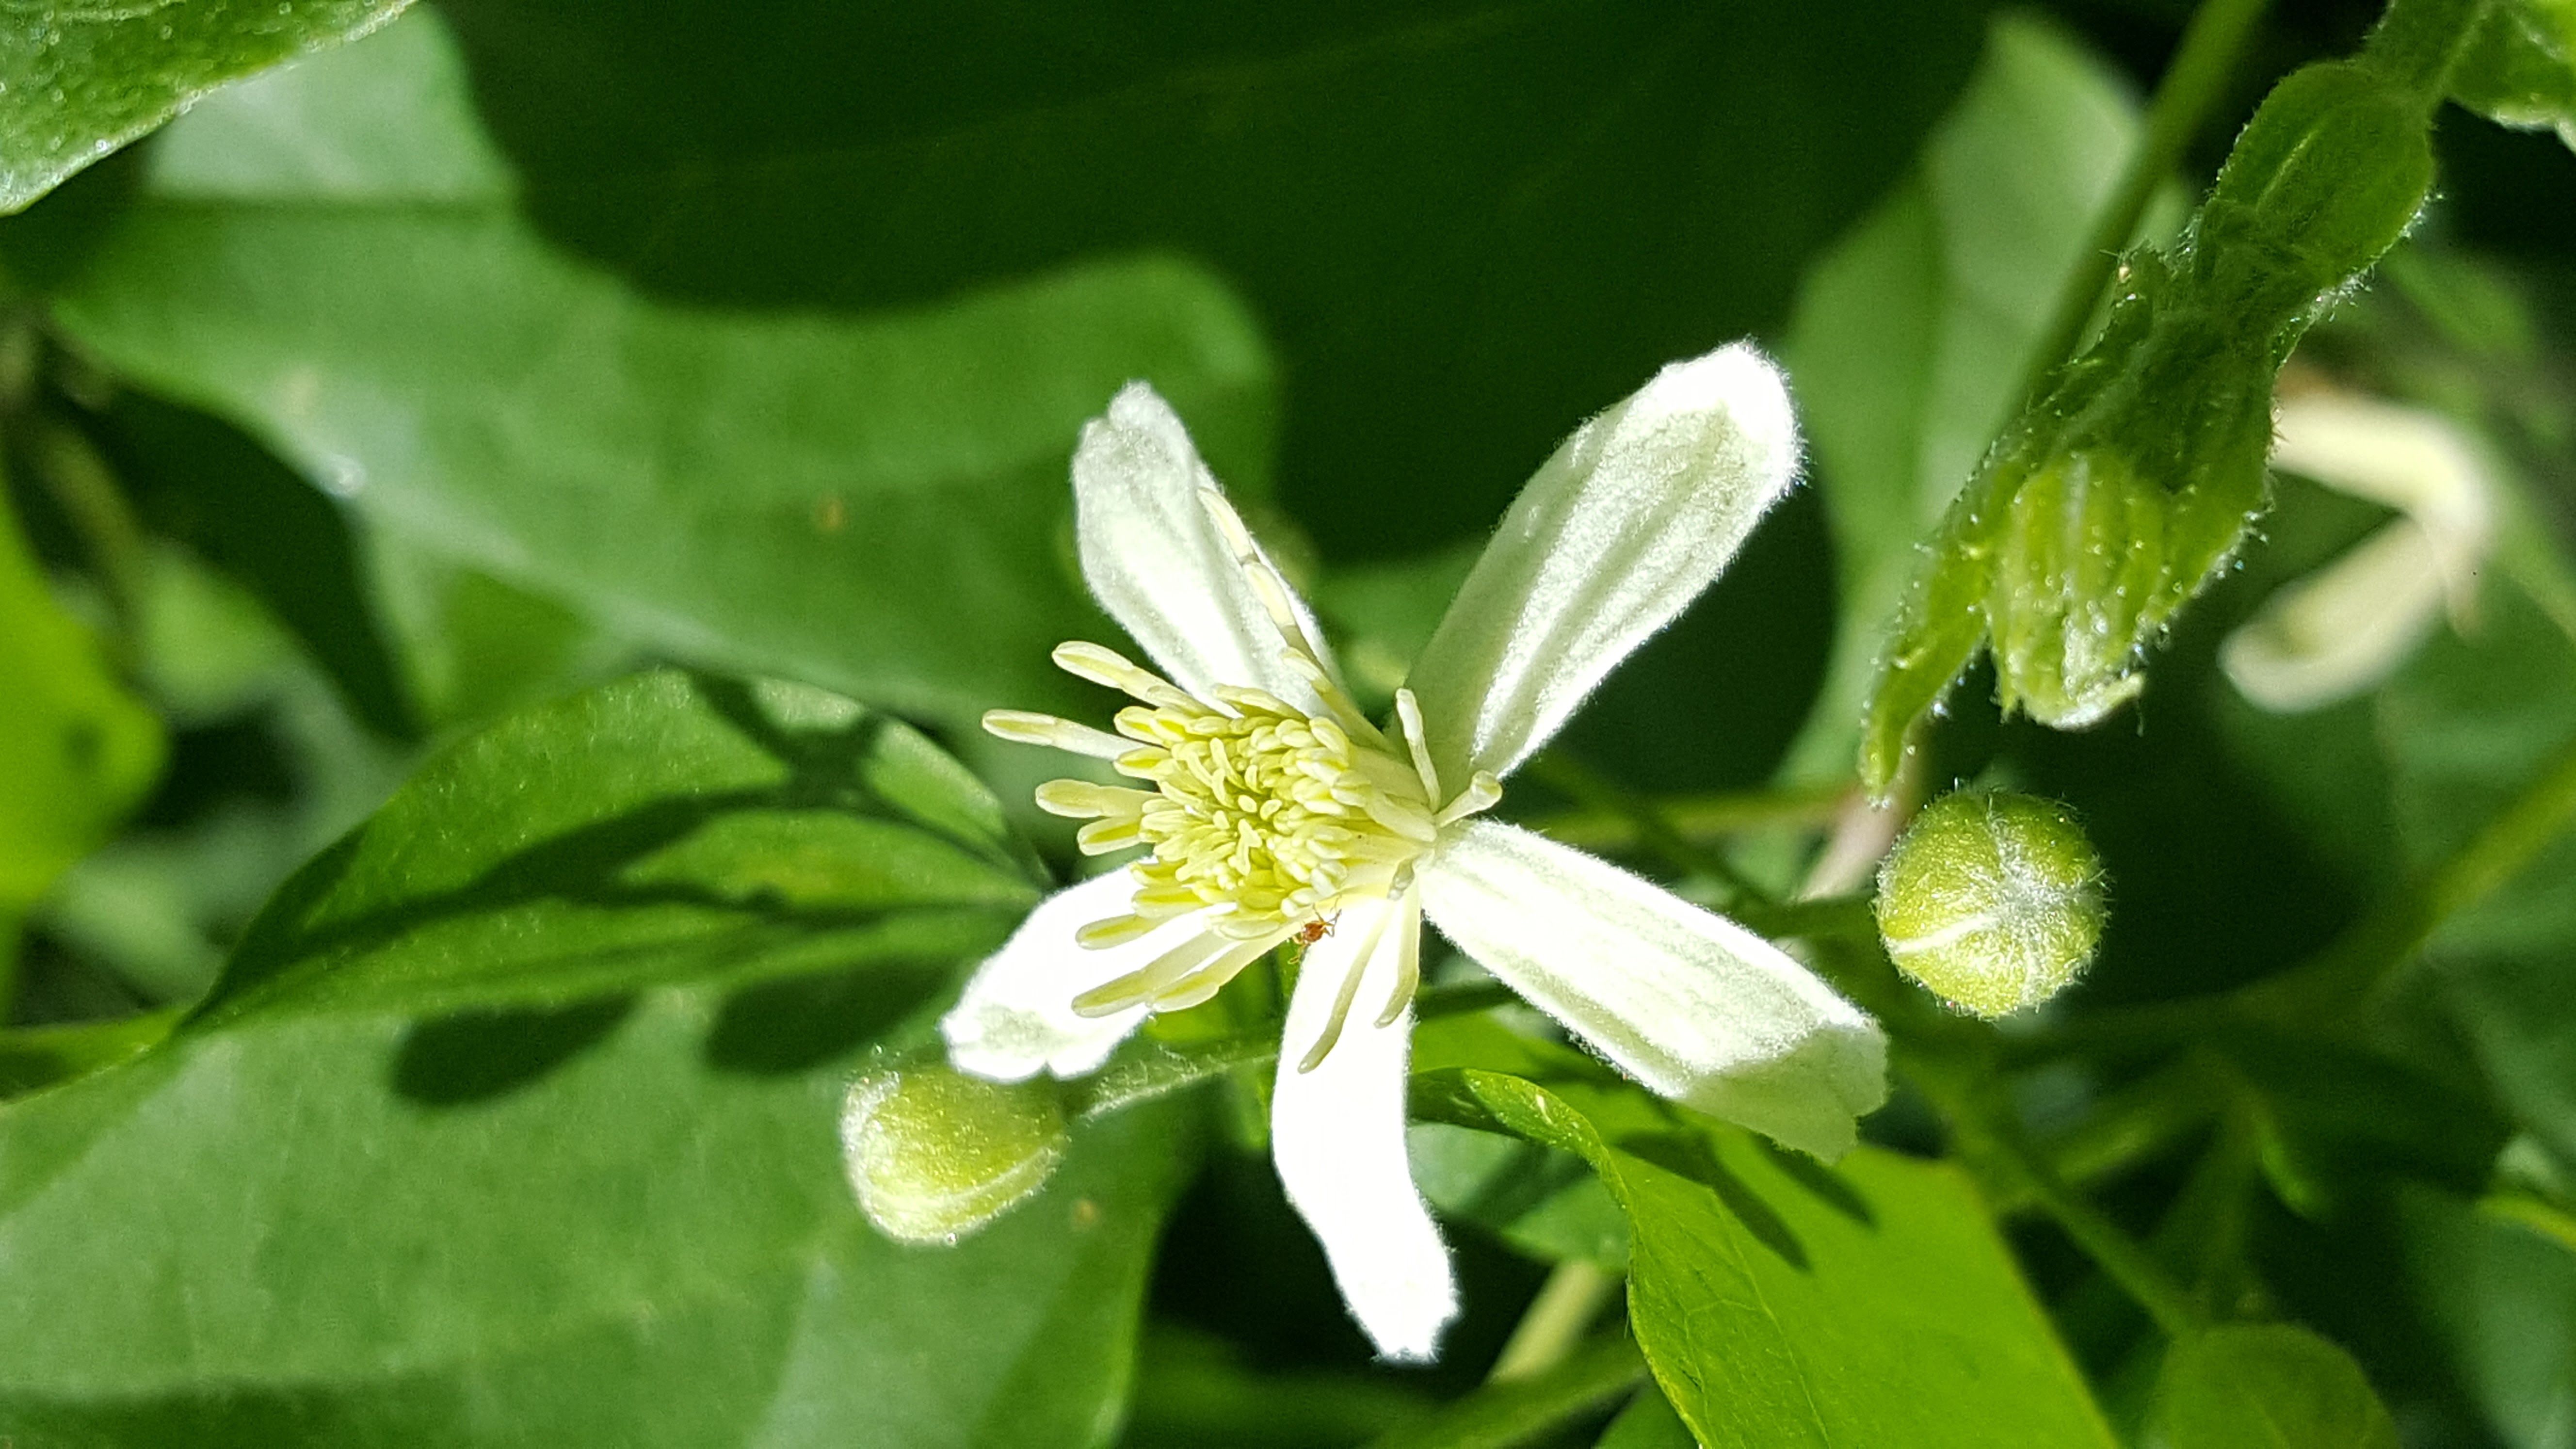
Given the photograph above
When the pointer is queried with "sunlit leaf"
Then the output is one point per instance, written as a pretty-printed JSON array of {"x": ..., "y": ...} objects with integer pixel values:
[
  {"x": 78, "y": 81},
  {"x": 1780, "y": 1301},
  {"x": 76, "y": 749},
  {"x": 504, "y": 1127}
]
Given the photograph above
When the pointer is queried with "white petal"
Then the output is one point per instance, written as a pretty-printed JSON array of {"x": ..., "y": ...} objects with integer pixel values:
[
  {"x": 1157, "y": 561},
  {"x": 2342, "y": 629},
  {"x": 2411, "y": 459},
  {"x": 1338, "y": 1134},
  {"x": 1612, "y": 538},
  {"x": 1691, "y": 1004},
  {"x": 1016, "y": 1018}
]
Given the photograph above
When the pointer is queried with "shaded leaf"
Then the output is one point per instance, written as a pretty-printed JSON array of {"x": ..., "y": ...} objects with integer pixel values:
[
  {"x": 1469, "y": 223},
  {"x": 2265, "y": 1386},
  {"x": 797, "y": 492}
]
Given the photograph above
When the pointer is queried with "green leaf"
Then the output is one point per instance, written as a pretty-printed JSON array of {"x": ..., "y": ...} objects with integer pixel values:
[
  {"x": 2466, "y": 726},
  {"x": 1911, "y": 335},
  {"x": 642, "y": 1247},
  {"x": 804, "y": 493},
  {"x": 2520, "y": 67},
  {"x": 204, "y": 483},
  {"x": 2267, "y": 1386},
  {"x": 1779, "y": 1301},
  {"x": 1648, "y": 1423},
  {"x": 366, "y": 1215},
  {"x": 667, "y": 828},
  {"x": 76, "y": 749},
  {"x": 76, "y": 82},
  {"x": 1544, "y": 1202},
  {"x": 2501, "y": 1290},
  {"x": 1468, "y": 223}
]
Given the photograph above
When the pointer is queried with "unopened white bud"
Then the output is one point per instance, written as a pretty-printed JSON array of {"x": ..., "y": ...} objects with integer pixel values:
[
  {"x": 1993, "y": 901},
  {"x": 934, "y": 1154}
]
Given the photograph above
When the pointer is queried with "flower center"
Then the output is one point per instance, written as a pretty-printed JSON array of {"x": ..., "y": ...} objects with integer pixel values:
[{"x": 1261, "y": 818}]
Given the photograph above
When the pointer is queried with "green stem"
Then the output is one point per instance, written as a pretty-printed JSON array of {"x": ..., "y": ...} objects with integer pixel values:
[
  {"x": 2347, "y": 972},
  {"x": 1499, "y": 1416},
  {"x": 1554, "y": 1323},
  {"x": 2416, "y": 42},
  {"x": 2184, "y": 97},
  {"x": 1594, "y": 790},
  {"x": 1993, "y": 1149},
  {"x": 1699, "y": 817},
  {"x": 2386, "y": 939}
]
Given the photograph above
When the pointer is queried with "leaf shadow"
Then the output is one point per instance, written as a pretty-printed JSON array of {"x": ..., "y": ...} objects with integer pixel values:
[
  {"x": 1688, "y": 1154},
  {"x": 590, "y": 864},
  {"x": 788, "y": 1025},
  {"x": 1828, "y": 1186},
  {"x": 478, "y": 1056}
]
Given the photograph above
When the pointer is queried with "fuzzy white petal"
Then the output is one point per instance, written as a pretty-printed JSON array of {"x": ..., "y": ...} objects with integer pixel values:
[
  {"x": 1158, "y": 563},
  {"x": 2409, "y": 459},
  {"x": 1607, "y": 543},
  {"x": 1016, "y": 1018},
  {"x": 1338, "y": 1135},
  {"x": 2342, "y": 629},
  {"x": 1693, "y": 1005}
]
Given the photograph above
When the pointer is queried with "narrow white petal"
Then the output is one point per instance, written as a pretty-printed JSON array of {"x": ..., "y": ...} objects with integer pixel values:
[
  {"x": 1612, "y": 538},
  {"x": 2342, "y": 629},
  {"x": 1691, "y": 1004},
  {"x": 1016, "y": 1018},
  {"x": 2410, "y": 459},
  {"x": 1338, "y": 1134},
  {"x": 1158, "y": 562}
]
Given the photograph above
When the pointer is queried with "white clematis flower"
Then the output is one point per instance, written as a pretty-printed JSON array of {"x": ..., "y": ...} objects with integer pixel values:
[
  {"x": 2348, "y": 626},
  {"x": 1271, "y": 809}
]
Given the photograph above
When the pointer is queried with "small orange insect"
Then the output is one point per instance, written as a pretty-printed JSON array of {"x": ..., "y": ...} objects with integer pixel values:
[{"x": 1317, "y": 929}]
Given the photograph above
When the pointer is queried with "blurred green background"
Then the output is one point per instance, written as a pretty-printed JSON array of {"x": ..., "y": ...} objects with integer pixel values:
[{"x": 517, "y": 346}]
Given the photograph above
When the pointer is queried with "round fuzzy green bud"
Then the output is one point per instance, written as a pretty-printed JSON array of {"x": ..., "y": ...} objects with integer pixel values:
[
  {"x": 934, "y": 1154},
  {"x": 1992, "y": 900}
]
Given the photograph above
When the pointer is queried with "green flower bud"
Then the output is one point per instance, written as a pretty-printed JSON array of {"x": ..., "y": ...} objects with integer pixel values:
[
  {"x": 2128, "y": 483},
  {"x": 1993, "y": 901},
  {"x": 2326, "y": 177},
  {"x": 934, "y": 1154}
]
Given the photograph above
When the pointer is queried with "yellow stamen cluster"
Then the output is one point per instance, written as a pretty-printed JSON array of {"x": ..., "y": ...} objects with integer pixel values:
[
  {"x": 1260, "y": 818},
  {"x": 1260, "y": 815}
]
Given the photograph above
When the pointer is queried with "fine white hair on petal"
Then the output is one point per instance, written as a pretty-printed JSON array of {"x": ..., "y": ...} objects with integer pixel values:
[
  {"x": 1337, "y": 1133},
  {"x": 1159, "y": 564},
  {"x": 1608, "y": 541},
  {"x": 1693, "y": 1005},
  {"x": 1016, "y": 1018}
]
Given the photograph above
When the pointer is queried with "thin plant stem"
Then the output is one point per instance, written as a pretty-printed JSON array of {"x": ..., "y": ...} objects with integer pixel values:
[
  {"x": 2347, "y": 972},
  {"x": 2388, "y": 938},
  {"x": 1699, "y": 818},
  {"x": 2192, "y": 85},
  {"x": 1499, "y": 1416},
  {"x": 1991, "y": 1147},
  {"x": 1597, "y": 791},
  {"x": 1556, "y": 1320}
]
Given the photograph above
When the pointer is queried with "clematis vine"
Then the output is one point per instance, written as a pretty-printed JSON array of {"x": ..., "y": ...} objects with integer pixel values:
[{"x": 1269, "y": 809}]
